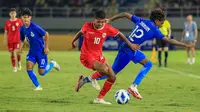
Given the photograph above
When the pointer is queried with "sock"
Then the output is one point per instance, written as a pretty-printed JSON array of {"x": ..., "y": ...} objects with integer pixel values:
[
  {"x": 166, "y": 55},
  {"x": 193, "y": 60},
  {"x": 133, "y": 86},
  {"x": 33, "y": 77},
  {"x": 106, "y": 87},
  {"x": 18, "y": 58},
  {"x": 159, "y": 57},
  {"x": 96, "y": 75},
  {"x": 143, "y": 73},
  {"x": 188, "y": 60},
  {"x": 13, "y": 61},
  {"x": 48, "y": 68}
]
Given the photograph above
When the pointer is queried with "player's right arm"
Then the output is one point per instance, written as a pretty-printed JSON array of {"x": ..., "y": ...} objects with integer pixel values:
[
  {"x": 22, "y": 38},
  {"x": 76, "y": 37},
  {"x": 5, "y": 40},
  {"x": 127, "y": 15}
]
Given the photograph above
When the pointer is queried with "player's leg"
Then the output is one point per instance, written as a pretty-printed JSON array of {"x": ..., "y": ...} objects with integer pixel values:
[
  {"x": 159, "y": 44},
  {"x": 147, "y": 65},
  {"x": 18, "y": 56},
  {"x": 121, "y": 60},
  {"x": 193, "y": 55},
  {"x": 12, "y": 57},
  {"x": 166, "y": 48},
  {"x": 43, "y": 67},
  {"x": 30, "y": 62}
]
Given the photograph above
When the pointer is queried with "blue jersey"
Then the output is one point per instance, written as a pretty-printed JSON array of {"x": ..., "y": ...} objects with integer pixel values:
[
  {"x": 34, "y": 35},
  {"x": 143, "y": 30}
]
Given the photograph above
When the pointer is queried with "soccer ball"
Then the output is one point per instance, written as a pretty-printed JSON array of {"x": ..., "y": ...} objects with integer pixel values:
[{"x": 122, "y": 96}]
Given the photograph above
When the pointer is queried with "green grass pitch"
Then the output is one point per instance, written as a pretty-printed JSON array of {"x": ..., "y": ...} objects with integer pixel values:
[{"x": 172, "y": 89}]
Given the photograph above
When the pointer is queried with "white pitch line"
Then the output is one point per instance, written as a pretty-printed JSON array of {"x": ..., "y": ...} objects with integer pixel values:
[{"x": 182, "y": 73}]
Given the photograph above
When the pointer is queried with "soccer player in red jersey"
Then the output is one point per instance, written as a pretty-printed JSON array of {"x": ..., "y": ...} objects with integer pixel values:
[
  {"x": 95, "y": 34},
  {"x": 12, "y": 37}
]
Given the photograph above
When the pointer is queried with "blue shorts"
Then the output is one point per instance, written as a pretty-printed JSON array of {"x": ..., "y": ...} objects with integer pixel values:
[
  {"x": 124, "y": 56},
  {"x": 40, "y": 58}
]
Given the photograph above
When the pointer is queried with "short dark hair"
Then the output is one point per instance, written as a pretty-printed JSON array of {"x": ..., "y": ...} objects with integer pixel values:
[
  {"x": 157, "y": 14},
  {"x": 99, "y": 14},
  {"x": 26, "y": 11},
  {"x": 12, "y": 9}
]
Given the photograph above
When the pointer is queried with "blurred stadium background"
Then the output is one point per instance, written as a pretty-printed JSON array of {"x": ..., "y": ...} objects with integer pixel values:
[{"x": 64, "y": 18}]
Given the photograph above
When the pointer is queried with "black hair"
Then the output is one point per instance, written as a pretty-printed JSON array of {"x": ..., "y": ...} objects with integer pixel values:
[
  {"x": 99, "y": 14},
  {"x": 157, "y": 14},
  {"x": 26, "y": 11},
  {"x": 12, "y": 9}
]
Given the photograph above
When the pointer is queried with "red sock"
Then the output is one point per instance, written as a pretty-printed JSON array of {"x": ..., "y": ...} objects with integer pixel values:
[
  {"x": 13, "y": 61},
  {"x": 106, "y": 87},
  {"x": 18, "y": 58},
  {"x": 97, "y": 75}
]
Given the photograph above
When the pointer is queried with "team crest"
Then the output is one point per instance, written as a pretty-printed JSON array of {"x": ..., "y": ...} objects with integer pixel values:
[
  {"x": 17, "y": 24},
  {"x": 32, "y": 34},
  {"x": 104, "y": 35}
]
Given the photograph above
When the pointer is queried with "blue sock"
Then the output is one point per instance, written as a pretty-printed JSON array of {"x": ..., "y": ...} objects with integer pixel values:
[
  {"x": 143, "y": 73},
  {"x": 33, "y": 77},
  {"x": 48, "y": 68},
  {"x": 88, "y": 80}
]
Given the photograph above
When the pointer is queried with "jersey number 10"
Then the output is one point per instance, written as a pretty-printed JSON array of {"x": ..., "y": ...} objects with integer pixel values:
[
  {"x": 132, "y": 35},
  {"x": 97, "y": 40}
]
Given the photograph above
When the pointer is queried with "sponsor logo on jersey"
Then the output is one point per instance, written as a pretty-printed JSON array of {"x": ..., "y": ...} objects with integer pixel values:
[
  {"x": 17, "y": 24},
  {"x": 104, "y": 35}
]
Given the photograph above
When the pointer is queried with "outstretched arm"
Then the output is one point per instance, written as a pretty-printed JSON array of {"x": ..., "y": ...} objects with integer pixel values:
[
  {"x": 175, "y": 42},
  {"x": 76, "y": 37},
  {"x": 132, "y": 46},
  {"x": 121, "y": 15}
]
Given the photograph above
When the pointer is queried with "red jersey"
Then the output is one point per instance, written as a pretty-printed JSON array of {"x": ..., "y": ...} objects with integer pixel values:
[
  {"x": 13, "y": 30},
  {"x": 94, "y": 38}
]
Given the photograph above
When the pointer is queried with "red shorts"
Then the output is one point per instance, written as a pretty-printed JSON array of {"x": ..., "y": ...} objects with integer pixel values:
[
  {"x": 88, "y": 60},
  {"x": 12, "y": 46}
]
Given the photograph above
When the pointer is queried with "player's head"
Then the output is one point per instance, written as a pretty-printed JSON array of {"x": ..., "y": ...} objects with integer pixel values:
[
  {"x": 26, "y": 15},
  {"x": 189, "y": 18},
  {"x": 99, "y": 19},
  {"x": 157, "y": 16},
  {"x": 13, "y": 13}
]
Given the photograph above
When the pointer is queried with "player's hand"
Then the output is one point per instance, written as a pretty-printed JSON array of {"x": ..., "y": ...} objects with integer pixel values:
[
  {"x": 135, "y": 46},
  {"x": 190, "y": 45},
  {"x": 5, "y": 43},
  {"x": 46, "y": 51},
  {"x": 195, "y": 41},
  {"x": 74, "y": 44},
  {"x": 108, "y": 20}
]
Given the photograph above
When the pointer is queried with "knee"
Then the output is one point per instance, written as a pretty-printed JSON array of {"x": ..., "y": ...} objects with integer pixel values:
[
  {"x": 148, "y": 64},
  {"x": 105, "y": 69},
  {"x": 41, "y": 72}
]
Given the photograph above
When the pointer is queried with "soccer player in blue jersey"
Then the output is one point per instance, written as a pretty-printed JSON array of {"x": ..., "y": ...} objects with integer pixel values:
[
  {"x": 39, "y": 48},
  {"x": 143, "y": 30}
]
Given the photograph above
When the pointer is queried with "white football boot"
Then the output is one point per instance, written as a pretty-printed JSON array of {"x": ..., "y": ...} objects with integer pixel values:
[
  {"x": 56, "y": 66},
  {"x": 100, "y": 101},
  {"x": 95, "y": 84},
  {"x": 38, "y": 88},
  {"x": 14, "y": 69}
]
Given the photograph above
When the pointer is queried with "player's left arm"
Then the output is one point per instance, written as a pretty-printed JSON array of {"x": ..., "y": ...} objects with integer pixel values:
[
  {"x": 175, "y": 42},
  {"x": 46, "y": 43},
  {"x": 132, "y": 46},
  {"x": 195, "y": 32}
]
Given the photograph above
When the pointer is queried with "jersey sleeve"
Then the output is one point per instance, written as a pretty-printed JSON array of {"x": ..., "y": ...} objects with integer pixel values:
[
  {"x": 40, "y": 30},
  {"x": 112, "y": 31},
  {"x": 20, "y": 23},
  {"x": 195, "y": 26},
  {"x": 158, "y": 34},
  {"x": 6, "y": 26},
  {"x": 22, "y": 37},
  {"x": 135, "y": 18},
  {"x": 84, "y": 28}
]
